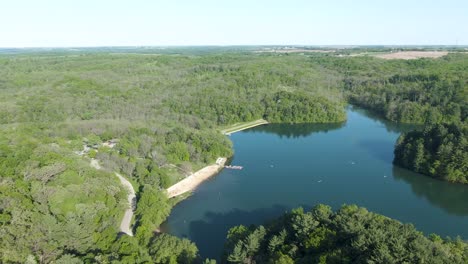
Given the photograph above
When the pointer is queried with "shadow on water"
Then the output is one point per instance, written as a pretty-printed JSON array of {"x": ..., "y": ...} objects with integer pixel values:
[
  {"x": 304, "y": 130},
  {"x": 379, "y": 148},
  {"x": 390, "y": 126},
  {"x": 439, "y": 193},
  {"x": 296, "y": 130},
  {"x": 211, "y": 232}
]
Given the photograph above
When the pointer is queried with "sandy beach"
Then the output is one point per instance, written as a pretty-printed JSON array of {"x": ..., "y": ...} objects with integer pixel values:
[{"x": 191, "y": 182}]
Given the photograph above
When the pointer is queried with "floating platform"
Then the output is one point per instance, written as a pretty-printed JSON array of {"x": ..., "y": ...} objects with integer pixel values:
[{"x": 234, "y": 167}]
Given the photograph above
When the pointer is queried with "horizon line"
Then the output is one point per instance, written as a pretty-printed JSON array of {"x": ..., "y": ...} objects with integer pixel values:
[{"x": 235, "y": 45}]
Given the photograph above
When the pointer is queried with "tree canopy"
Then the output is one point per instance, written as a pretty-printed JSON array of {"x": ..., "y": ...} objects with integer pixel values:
[
  {"x": 349, "y": 235},
  {"x": 440, "y": 151}
]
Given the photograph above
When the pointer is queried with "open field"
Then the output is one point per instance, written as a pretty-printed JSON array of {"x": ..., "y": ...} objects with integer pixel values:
[
  {"x": 411, "y": 55},
  {"x": 295, "y": 50}
]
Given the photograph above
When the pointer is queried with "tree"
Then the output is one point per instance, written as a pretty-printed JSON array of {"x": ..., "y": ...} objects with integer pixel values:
[
  {"x": 165, "y": 248},
  {"x": 152, "y": 210},
  {"x": 349, "y": 235},
  {"x": 440, "y": 151},
  {"x": 238, "y": 254}
]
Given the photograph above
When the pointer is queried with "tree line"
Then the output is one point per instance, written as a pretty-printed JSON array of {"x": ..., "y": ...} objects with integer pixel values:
[
  {"x": 349, "y": 235},
  {"x": 440, "y": 151}
]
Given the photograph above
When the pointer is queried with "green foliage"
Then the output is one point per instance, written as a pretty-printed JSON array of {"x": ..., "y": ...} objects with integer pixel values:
[
  {"x": 124, "y": 250},
  {"x": 158, "y": 157},
  {"x": 178, "y": 152},
  {"x": 419, "y": 91},
  {"x": 288, "y": 107},
  {"x": 209, "y": 261},
  {"x": 168, "y": 249},
  {"x": 152, "y": 210},
  {"x": 69, "y": 259},
  {"x": 440, "y": 151},
  {"x": 54, "y": 201},
  {"x": 236, "y": 88},
  {"x": 350, "y": 235}
]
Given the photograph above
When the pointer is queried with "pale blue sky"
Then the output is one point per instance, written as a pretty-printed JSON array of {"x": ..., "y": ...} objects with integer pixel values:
[{"x": 62, "y": 23}]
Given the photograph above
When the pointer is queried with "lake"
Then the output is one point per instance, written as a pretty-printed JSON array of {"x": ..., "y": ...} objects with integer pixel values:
[{"x": 287, "y": 166}]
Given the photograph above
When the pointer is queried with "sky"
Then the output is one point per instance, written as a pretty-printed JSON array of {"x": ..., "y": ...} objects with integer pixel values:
[{"x": 88, "y": 23}]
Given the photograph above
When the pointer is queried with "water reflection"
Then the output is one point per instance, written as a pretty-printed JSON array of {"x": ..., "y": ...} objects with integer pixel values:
[
  {"x": 445, "y": 195},
  {"x": 379, "y": 148},
  {"x": 304, "y": 130},
  {"x": 215, "y": 226},
  {"x": 390, "y": 126},
  {"x": 296, "y": 130}
]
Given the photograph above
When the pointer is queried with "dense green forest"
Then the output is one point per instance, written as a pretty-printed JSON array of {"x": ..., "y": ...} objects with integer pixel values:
[
  {"x": 349, "y": 235},
  {"x": 440, "y": 151},
  {"x": 55, "y": 207},
  {"x": 409, "y": 91},
  {"x": 52, "y": 202},
  {"x": 164, "y": 110}
]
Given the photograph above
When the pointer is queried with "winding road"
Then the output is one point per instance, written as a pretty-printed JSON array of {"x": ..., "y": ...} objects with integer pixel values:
[
  {"x": 126, "y": 224},
  {"x": 186, "y": 185}
]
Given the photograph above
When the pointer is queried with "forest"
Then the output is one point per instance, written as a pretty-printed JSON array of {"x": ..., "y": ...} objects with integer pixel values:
[
  {"x": 165, "y": 110},
  {"x": 440, "y": 151},
  {"x": 350, "y": 235},
  {"x": 414, "y": 91}
]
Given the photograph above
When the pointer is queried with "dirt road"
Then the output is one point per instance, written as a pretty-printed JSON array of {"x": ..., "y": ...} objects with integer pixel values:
[{"x": 125, "y": 224}]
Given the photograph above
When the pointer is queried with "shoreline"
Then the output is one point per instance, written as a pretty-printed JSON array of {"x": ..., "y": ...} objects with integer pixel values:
[
  {"x": 191, "y": 182},
  {"x": 240, "y": 127}
]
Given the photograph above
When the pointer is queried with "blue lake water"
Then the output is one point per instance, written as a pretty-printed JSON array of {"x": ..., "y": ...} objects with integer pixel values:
[{"x": 287, "y": 166}]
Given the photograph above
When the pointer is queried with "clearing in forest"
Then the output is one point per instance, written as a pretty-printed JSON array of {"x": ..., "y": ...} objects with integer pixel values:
[{"x": 411, "y": 55}]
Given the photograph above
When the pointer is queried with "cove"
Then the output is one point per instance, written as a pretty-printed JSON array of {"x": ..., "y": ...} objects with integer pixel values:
[{"x": 287, "y": 166}]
